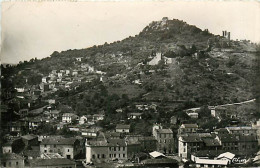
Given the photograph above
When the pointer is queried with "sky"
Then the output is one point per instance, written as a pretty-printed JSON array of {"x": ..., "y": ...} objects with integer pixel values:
[{"x": 37, "y": 29}]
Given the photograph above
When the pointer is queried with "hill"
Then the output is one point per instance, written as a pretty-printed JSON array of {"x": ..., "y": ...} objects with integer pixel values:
[{"x": 169, "y": 62}]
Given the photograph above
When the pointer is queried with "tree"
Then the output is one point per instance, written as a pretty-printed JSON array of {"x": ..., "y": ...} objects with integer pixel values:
[{"x": 204, "y": 112}]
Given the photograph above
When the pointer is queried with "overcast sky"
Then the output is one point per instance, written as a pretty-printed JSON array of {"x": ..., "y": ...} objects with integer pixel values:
[{"x": 36, "y": 29}]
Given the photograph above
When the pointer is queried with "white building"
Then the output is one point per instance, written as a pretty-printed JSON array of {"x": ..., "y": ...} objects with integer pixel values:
[
  {"x": 69, "y": 117},
  {"x": 122, "y": 128},
  {"x": 79, "y": 59},
  {"x": 83, "y": 119}
]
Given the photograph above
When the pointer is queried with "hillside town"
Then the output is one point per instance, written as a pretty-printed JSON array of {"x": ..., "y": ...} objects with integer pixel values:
[{"x": 90, "y": 115}]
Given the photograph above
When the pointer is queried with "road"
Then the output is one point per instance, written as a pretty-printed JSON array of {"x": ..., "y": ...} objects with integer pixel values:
[{"x": 223, "y": 105}]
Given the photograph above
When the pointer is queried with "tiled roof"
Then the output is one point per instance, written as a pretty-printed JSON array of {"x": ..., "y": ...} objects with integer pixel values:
[
  {"x": 52, "y": 162},
  {"x": 192, "y": 139},
  {"x": 69, "y": 114},
  {"x": 10, "y": 156},
  {"x": 147, "y": 138},
  {"x": 121, "y": 126},
  {"x": 190, "y": 125},
  {"x": 58, "y": 141},
  {"x": 29, "y": 137},
  {"x": 135, "y": 114},
  {"x": 97, "y": 143},
  {"x": 228, "y": 138},
  {"x": 196, "y": 137},
  {"x": 240, "y": 128},
  {"x": 211, "y": 142},
  {"x": 116, "y": 142},
  {"x": 164, "y": 131}
]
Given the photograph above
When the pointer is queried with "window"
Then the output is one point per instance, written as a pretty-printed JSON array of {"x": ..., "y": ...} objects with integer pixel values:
[
  {"x": 123, "y": 155},
  {"x": 54, "y": 146},
  {"x": 165, "y": 141},
  {"x": 98, "y": 156},
  {"x": 114, "y": 155},
  {"x": 16, "y": 163},
  {"x": 68, "y": 150},
  {"x": 45, "y": 151},
  {"x": 45, "y": 146},
  {"x": 119, "y": 155},
  {"x": 103, "y": 155},
  {"x": 123, "y": 148},
  {"x": 184, "y": 149},
  {"x": 4, "y": 164},
  {"x": 93, "y": 156},
  {"x": 184, "y": 144}
]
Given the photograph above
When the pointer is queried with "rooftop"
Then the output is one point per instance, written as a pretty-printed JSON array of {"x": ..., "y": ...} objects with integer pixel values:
[
  {"x": 164, "y": 131},
  {"x": 156, "y": 154},
  {"x": 189, "y": 126},
  {"x": 58, "y": 141},
  {"x": 121, "y": 126},
  {"x": 116, "y": 142},
  {"x": 211, "y": 142},
  {"x": 240, "y": 128},
  {"x": 226, "y": 155},
  {"x": 29, "y": 137},
  {"x": 135, "y": 114},
  {"x": 211, "y": 161},
  {"x": 52, "y": 162},
  {"x": 10, "y": 156},
  {"x": 69, "y": 114}
]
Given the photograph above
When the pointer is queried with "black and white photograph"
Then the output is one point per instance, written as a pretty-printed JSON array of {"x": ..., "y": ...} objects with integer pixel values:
[{"x": 138, "y": 84}]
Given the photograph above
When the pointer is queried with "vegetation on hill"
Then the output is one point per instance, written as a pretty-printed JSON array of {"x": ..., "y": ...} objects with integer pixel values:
[{"x": 205, "y": 69}]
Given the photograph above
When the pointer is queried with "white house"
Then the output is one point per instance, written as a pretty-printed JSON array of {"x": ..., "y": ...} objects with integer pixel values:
[
  {"x": 98, "y": 117},
  {"x": 79, "y": 59},
  {"x": 135, "y": 116},
  {"x": 122, "y": 128},
  {"x": 20, "y": 90},
  {"x": 69, "y": 117},
  {"x": 60, "y": 74}
]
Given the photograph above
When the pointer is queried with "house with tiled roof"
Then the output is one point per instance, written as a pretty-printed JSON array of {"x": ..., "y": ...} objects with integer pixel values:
[
  {"x": 12, "y": 160},
  {"x": 189, "y": 143},
  {"x": 123, "y": 128},
  {"x": 30, "y": 140},
  {"x": 104, "y": 150},
  {"x": 165, "y": 140},
  {"x": 134, "y": 115},
  {"x": 188, "y": 128},
  {"x": 66, "y": 147},
  {"x": 69, "y": 117}
]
